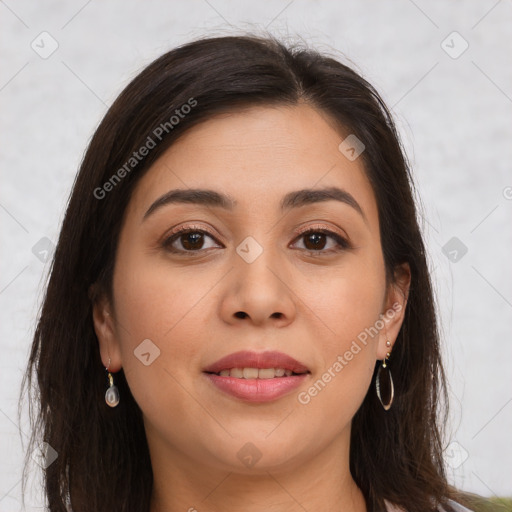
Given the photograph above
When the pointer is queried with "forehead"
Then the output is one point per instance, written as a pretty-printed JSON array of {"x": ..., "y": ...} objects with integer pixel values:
[{"x": 257, "y": 155}]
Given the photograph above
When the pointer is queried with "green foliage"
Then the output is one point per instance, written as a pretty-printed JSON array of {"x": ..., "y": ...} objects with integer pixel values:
[{"x": 479, "y": 504}]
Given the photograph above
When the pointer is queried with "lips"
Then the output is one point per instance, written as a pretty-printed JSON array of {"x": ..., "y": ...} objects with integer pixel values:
[
  {"x": 256, "y": 377},
  {"x": 247, "y": 359}
]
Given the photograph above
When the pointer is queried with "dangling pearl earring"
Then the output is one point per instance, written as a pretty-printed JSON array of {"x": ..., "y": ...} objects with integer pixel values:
[
  {"x": 384, "y": 382},
  {"x": 112, "y": 393}
]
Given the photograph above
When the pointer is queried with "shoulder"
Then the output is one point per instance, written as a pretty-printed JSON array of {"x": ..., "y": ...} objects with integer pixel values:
[{"x": 457, "y": 507}]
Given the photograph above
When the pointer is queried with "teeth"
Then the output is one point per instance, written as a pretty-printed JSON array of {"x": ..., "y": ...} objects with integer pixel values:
[
  {"x": 250, "y": 373},
  {"x": 237, "y": 372},
  {"x": 266, "y": 373},
  {"x": 255, "y": 373}
]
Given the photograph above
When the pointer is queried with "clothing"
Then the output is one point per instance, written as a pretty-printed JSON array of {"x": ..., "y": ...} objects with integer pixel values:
[{"x": 390, "y": 507}]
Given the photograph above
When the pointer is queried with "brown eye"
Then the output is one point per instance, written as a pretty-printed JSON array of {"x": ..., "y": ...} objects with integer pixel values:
[
  {"x": 188, "y": 240},
  {"x": 322, "y": 241},
  {"x": 315, "y": 241},
  {"x": 191, "y": 241}
]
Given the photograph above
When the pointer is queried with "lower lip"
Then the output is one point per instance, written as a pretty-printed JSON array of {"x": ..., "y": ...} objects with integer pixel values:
[{"x": 257, "y": 390}]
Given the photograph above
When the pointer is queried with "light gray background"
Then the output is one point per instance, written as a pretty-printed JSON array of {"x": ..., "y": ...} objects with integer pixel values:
[{"x": 453, "y": 113}]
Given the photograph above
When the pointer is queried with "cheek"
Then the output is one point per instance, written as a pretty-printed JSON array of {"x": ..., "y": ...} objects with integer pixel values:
[
  {"x": 347, "y": 299},
  {"x": 164, "y": 307},
  {"x": 349, "y": 307},
  {"x": 152, "y": 300},
  {"x": 348, "y": 303}
]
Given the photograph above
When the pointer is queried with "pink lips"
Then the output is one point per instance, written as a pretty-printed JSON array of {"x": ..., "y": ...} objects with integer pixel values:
[
  {"x": 247, "y": 359},
  {"x": 257, "y": 390}
]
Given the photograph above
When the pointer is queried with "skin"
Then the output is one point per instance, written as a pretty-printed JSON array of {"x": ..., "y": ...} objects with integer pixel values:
[{"x": 187, "y": 304}]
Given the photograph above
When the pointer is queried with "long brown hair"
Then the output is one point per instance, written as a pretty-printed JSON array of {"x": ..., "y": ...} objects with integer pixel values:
[{"x": 103, "y": 461}]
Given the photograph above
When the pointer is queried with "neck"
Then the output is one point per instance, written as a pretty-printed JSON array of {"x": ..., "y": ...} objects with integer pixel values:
[{"x": 322, "y": 482}]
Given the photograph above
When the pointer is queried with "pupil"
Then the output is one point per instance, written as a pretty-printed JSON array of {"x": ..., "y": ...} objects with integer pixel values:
[
  {"x": 316, "y": 239},
  {"x": 191, "y": 241}
]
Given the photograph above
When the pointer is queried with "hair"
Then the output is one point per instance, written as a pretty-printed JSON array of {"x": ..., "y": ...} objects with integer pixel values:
[{"x": 103, "y": 461}]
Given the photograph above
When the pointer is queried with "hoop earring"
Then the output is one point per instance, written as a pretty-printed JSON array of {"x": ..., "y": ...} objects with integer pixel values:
[
  {"x": 384, "y": 383},
  {"x": 112, "y": 393}
]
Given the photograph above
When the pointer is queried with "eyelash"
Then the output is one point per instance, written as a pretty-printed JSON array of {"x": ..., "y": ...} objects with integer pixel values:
[{"x": 343, "y": 244}]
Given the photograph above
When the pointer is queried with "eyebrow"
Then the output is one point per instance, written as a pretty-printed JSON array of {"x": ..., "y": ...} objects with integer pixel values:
[{"x": 295, "y": 199}]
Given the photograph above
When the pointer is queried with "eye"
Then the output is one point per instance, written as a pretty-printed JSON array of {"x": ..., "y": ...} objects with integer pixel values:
[
  {"x": 190, "y": 238},
  {"x": 316, "y": 241}
]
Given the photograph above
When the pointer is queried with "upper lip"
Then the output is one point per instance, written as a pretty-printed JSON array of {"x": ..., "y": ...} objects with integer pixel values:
[{"x": 248, "y": 359}]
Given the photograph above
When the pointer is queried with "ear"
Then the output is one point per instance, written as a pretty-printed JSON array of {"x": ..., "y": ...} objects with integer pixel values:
[
  {"x": 105, "y": 328},
  {"x": 393, "y": 313}
]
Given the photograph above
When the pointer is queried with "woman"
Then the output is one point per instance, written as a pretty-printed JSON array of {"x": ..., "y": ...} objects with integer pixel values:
[{"x": 239, "y": 313}]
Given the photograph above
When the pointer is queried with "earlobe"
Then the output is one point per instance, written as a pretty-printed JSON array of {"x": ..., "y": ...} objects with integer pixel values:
[
  {"x": 104, "y": 327},
  {"x": 394, "y": 312}
]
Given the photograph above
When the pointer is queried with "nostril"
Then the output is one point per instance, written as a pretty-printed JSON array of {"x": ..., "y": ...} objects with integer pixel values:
[{"x": 240, "y": 314}]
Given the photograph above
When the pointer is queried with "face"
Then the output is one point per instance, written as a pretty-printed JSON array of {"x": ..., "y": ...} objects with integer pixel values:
[{"x": 293, "y": 281}]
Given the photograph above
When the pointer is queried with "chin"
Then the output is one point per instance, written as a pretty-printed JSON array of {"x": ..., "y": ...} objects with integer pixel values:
[{"x": 257, "y": 453}]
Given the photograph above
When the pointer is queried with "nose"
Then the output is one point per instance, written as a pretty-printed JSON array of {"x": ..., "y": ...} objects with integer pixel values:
[{"x": 259, "y": 293}]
